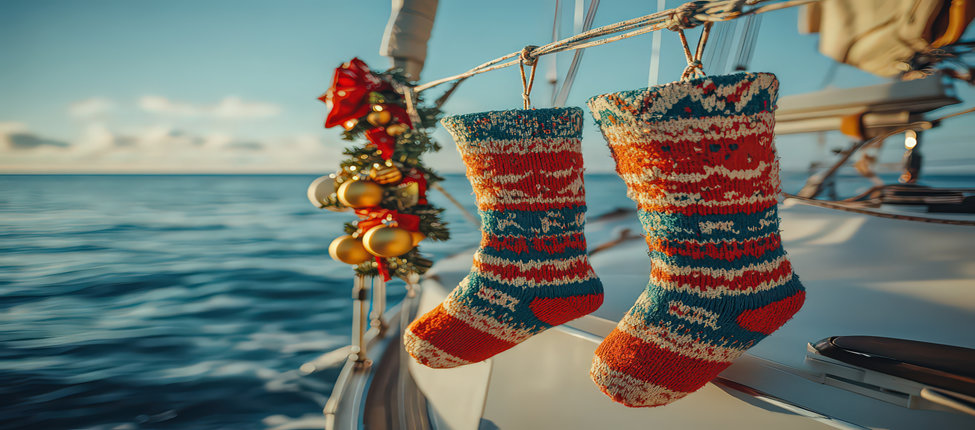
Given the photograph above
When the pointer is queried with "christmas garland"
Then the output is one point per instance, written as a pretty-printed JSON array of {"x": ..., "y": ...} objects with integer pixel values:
[{"x": 383, "y": 181}]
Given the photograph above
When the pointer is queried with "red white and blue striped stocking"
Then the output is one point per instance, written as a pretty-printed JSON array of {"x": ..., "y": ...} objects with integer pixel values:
[
  {"x": 531, "y": 271},
  {"x": 698, "y": 159}
]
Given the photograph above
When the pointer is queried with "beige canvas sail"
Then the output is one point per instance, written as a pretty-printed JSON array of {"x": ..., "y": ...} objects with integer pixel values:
[{"x": 881, "y": 36}]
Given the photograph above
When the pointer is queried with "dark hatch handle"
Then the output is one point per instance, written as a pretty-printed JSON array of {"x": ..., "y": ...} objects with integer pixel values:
[{"x": 944, "y": 367}]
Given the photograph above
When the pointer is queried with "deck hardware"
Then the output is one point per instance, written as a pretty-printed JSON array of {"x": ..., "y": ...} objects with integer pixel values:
[
  {"x": 360, "y": 292},
  {"x": 376, "y": 320}
]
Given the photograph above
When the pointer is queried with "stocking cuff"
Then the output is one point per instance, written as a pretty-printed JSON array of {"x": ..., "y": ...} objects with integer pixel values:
[
  {"x": 514, "y": 130},
  {"x": 525, "y": 160},
  {"x": 710, "y": 96},
  {"x": 698, "y": 147}
]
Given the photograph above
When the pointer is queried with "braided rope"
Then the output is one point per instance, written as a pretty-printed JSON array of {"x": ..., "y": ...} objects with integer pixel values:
[{"x": 685, "y": 16}]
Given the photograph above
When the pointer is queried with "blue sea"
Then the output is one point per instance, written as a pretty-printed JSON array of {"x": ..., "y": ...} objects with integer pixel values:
[{"x": 183, "y": 302}]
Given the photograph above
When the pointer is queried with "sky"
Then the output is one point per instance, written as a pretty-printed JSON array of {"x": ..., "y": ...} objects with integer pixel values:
[{"x": 218, "y": 86}]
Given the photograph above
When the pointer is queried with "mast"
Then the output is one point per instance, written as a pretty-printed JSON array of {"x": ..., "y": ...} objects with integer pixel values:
[{"x": 407, "y": 33}]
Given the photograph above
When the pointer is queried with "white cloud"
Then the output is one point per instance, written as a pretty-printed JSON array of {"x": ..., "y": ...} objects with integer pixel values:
[
  {"x": 96, "y": 137},
  {"x": 234, "y": 107},
  {"x": 92, "y": 107},
  {"x": 159, "y": 104},
  {"x": 229, "y": 108},
  {"x": 162, "y": 149},
  {"x": 8, "y": 127}
]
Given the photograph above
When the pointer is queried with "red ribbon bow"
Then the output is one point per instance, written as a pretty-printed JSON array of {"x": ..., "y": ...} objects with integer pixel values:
[
  {"x": 348, "y": 98},
  {"x": 383, "y": 141},
  {"x": 399, "y": 114},
  {"x": 421, "y": 182},
  {"x": 372, "y": 218}
]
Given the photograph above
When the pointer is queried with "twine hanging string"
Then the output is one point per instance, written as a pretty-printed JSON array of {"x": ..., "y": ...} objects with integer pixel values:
[
  {"x": 686, "y": 16},
  {"x": 526, "y": 58},
  {"x": 694, "y": 66}
]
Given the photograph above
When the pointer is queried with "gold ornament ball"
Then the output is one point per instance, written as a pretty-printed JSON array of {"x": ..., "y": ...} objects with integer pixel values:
[
  {"x": 321, "y": 193},
  {"x": 385, "y": 174},
  {"x": 349, "y": 250},
  {"x": 388, "y": 241},
  {"x": 360, "y": 194},
  {"x": 380, "y": 118},
  {"x": 320, "y": 190},
  {"x": 397, "y": 129}
]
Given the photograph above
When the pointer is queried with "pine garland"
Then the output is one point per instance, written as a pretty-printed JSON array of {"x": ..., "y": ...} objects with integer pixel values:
[{"x": 406, "y": 196}]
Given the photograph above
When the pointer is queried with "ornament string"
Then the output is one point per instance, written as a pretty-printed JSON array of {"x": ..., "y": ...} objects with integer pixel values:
[
  {"x": 409, "y": 96},
  {"x": 526, "y": 84}
]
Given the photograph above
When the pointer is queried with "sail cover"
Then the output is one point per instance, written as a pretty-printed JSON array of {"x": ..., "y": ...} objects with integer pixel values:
[
  {"x": 407, "y": 33},
  {"x": 883, "y": 36}
]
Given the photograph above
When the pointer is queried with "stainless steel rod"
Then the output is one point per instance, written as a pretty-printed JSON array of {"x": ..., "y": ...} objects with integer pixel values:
[{"x": 360, "y": 292}]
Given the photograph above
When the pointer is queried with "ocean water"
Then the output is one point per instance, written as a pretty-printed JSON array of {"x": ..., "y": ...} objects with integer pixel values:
[{"x": 183, "y": 302}]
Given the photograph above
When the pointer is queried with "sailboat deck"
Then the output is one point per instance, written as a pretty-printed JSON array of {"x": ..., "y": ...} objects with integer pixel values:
[{"x": 864, "y": 276}]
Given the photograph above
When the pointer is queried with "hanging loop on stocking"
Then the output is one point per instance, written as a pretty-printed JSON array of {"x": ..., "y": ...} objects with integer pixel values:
[
  {"x": 526, "y": 83},
  {"x": 694, "y": 68},
  {"x": 684, "y": 17}
]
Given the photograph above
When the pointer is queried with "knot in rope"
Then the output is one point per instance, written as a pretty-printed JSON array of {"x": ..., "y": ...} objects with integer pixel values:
[
  {"x": 685, "y": 16},
  {"x": 526, "y": 55},
  {"x": 694, "y": 68}
]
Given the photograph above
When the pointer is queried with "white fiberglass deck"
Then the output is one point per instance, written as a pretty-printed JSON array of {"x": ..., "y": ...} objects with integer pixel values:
[{"x": 864, "y": 276}]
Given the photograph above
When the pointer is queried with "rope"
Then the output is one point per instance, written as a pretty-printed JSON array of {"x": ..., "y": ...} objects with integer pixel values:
[
  {"x": 409, "y": 96},
  {"x": 688, "y": 15},
  {"x": 685, "y": 15},
  {"x": 846, "y": 207}
]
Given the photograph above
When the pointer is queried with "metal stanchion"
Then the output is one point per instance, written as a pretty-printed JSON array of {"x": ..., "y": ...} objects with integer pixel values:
[
  {"x": 360, "y": 292},
  {"x": 378, "y": 304},
  {"x": 412, "y": 285}
]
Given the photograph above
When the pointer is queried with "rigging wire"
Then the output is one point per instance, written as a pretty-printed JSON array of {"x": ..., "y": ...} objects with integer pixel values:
[
  {"x": 715, "y": 59},
  {"x": 687, "y": 15},
  {"x": 746, "y": 46},
  {"x": 553, "y": 72},
  {"x": 570, "y": 76},
  {"x": 810, "y": 190},
  {"x": 653, "y": 75},
  {"x": 815, "y": 183},
  {"x": 850, "y": 208}
]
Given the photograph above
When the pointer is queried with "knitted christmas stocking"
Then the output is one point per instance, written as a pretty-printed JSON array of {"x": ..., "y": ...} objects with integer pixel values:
[
  {"x": 698, "y": 159},
  {"x": 531, "y": 271}
]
